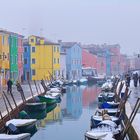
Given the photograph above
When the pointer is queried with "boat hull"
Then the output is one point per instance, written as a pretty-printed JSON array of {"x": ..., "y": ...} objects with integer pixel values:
[
  {"x": 48, "y": 101},
  {"x": 34, "y": 107}
]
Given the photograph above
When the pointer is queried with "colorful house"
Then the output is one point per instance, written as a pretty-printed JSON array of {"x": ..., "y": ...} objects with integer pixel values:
[
  {"x": 27, "y": 59},
  {"x": 20, "y": 58},
  {"x": 88, "y": 59},
  {"x": 14, "y": 43},
  {"x": 63, "y": 65},
  {"x": 73, "y": 59},
  {"x": 44, "y": 59},
  {"x": 4, "y": 56}
]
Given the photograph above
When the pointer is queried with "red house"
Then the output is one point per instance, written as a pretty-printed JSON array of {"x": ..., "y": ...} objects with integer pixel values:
[
  {"x": 20, "y": 59},
  {"x": 101, "y": 65},
  {"x": 88, "y": 59}
]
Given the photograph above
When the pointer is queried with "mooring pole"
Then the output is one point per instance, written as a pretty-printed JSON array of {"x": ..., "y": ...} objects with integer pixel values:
[
  {"x": 6, "y": 106},
  {"x": 31, "y": 90},
  {"x": 39, "y": 88},
  {"x": 36, "y": 87},
  {"x": 8, "y": 100}
]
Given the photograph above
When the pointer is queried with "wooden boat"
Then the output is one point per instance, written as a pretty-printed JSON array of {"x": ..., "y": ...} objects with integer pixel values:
[
  {"x": 110, "y": 111},
  {"x": 50, "y": 108},
  {"x": 24, "y": 125},
  {"x": 25, "y": 136},
  {"x": 106, "y": 128},
  {"x": 95, "y": 120},
  {"x": 55, "y": 90},
  {"x": 108, "y": 105},
  {"x": 34, "y": 107},
  {"x": 106, "y": 97},
  {"x": 48, "y": 99},
  {"x": 91, "y": 135}
]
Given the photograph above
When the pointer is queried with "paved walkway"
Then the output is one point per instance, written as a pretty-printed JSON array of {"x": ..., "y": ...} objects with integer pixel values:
[
  {"x": 130, "y": 105},
  {"x": 17, "y": 96},
  {"x": 134, "y": 95}
]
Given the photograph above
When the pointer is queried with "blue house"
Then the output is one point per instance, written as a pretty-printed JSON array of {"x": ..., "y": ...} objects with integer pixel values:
[
  {"x": 74, "y": 102},
  {"x": 27, "y": 59},
  {"x": 73, "y": 59}
]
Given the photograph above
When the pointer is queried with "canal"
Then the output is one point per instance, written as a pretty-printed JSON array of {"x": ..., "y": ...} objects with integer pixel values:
[{"x": 71, "y": 118}]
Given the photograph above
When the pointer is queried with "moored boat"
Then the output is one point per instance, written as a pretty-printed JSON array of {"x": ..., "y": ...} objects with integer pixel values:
[
  {"x": 105, "y": 129},
  {"x": 48, "y": 99},
  {"x": 36, "y": 106},
  {"x": 95, "y": 120},
  {"x": 23, "y": 125},
  {"x": 25, "y": 136}
]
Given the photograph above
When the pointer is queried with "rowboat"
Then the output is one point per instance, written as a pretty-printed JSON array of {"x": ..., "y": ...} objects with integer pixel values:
[
  {"x": 23, "y": 125},
  {"x": 108, "y": 105},
  {"x": 105, "y": 130},
  {"x": 48, "y": 99},
  {"x": 110, "y": 111},
  {"x": 25, "y": 136},
  {"x": 106, "y": 97},
  {"x": 95, "y": 120},
  {"x": 35, "y": 107}
]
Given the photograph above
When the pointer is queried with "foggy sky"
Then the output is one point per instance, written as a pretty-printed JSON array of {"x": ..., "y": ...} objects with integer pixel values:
[{"x": 85, "y": 21}]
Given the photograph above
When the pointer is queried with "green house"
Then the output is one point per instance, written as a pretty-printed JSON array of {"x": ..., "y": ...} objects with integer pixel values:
[{"x": 13, "y": 41}]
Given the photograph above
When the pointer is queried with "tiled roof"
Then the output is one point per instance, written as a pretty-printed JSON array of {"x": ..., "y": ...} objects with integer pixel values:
[
  {"x": 11, "y": 33},
  {"x": 67, "y": 44},
  {"x": 47, "y": 43}
]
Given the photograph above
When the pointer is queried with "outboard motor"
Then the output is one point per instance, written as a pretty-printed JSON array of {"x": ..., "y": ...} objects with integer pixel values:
[{"x": 12, "y": 129}]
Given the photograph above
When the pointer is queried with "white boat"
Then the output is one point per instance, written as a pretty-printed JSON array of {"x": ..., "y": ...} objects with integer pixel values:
[
  {"x": 99, "y": 135},
  {"x": 56, "y": 90},
  {"x": 105, "y": 130},
  {"x": 21, "y": 122},
  {"x": 25, "y": 136},
  {"x": 107, "y": 86},
  {"x": 54, "y": 94},
  {"x": 83, "y": 81},
  {"x": 110, "y": 111}
]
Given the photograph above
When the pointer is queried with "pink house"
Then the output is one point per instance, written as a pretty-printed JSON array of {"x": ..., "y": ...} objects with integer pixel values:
[
  {"x": 20, "y": 59},
  {"x": 115, "y": 60},
  {"x": 101, "y": 65},
  {"x": 88, "y": 59}
]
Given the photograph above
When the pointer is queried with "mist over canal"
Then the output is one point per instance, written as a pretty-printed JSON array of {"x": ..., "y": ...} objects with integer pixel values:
[{"x": 71, "y": 118}]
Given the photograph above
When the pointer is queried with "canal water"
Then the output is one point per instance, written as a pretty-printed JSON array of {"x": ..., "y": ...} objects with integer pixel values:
[{"x": 71, "y": 118}]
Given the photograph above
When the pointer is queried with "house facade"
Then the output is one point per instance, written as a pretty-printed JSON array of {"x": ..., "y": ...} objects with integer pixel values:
[
  {"x": 73, "y": 60},
  {"x": 4, "y": 56},
  {"x": 63, "y": 65}
]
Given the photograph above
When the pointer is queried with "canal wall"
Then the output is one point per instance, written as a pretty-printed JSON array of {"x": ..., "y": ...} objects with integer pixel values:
[{"x": 134, "y": 130}]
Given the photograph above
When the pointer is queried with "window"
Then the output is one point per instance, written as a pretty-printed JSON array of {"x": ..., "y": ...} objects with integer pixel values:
[
  {"x": 57, "y": 49},
  {"x": 54, "y": 49},
  {"x": 33, "y": 72},
  {"x": 33, "y": 60},
  {"x": 25, "y": 61},
  {"x": 32, "y": 40},
  {"x": 54, "y": 60},
  {"x": 33, "y": 49},
  {"x": 25, "y": 49},
  {"x": 54, "y": 73},
  {"x": 58, "y": 60}
]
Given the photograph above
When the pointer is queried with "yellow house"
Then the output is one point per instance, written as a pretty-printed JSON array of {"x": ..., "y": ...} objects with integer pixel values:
[
  {"x": 45, "y": 57},
  {"x": 4, "y": 56}
]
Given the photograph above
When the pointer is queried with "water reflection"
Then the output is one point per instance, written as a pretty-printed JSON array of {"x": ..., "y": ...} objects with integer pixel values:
[
  {"x": 71, "y": 117},
  {"x": 73, "y": 108}
]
